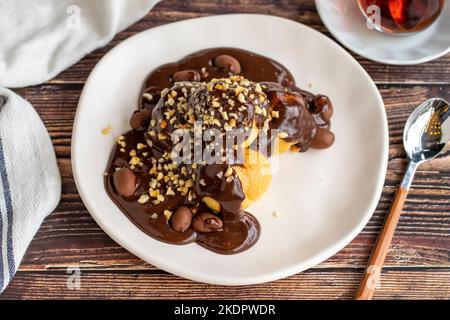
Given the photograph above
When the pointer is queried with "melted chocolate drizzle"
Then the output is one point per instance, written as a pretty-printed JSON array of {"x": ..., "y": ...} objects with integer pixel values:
[{"x": 240, "y": 229}]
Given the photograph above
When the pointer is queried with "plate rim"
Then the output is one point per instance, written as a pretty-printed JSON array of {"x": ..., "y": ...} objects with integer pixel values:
[
  {"x": 235, "y": 281},
  {"x": 361, "y": 52}
]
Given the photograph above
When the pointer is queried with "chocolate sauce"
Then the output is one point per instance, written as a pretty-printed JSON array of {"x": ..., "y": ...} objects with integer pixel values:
[
  {"x": 253, "y": 67},
  {"x": 298, "y": 117}
]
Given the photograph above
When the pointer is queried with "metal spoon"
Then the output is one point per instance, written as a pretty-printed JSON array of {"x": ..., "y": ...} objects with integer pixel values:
[{"x": 426, "y": 136}]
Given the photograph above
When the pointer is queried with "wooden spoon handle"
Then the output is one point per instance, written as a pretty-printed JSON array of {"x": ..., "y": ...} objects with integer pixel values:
[{"x": 373, "y": 271}]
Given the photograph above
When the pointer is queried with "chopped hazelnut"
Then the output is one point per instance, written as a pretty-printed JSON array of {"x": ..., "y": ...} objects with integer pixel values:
[
  {"x": 147, "y": 96},
  {"x": 135, "y": 160},
  {"x": 241, "y": 98},
  {"x": 167, "y": 214},
  {"x": 283, "y": 135},
  {"x": 143, "y": 199},
  {"x": 229, "y": 172},
  {"x": 170, "y": 192}
]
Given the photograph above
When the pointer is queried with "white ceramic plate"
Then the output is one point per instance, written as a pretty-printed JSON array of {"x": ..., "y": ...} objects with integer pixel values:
[
  {"x": 324, "y": 197},
  {"x": 345, "y": 22}
]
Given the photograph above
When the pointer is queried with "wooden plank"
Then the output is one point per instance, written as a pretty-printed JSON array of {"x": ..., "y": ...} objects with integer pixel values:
[
  {"x": 301, "y": 11},
  {"x": 70, "y": 237},
  {"x": 312, "y": 284}
]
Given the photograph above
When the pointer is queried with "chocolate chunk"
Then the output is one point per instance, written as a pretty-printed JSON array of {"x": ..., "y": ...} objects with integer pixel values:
[
  {"x": 206, "y": 222},
  {"x": 323, "y": 139},
  {"x": 181, "y": 219},
  {"x": 228, "y": 63},
  {"x": 140, "y": 118},
  {"x": 322, "y": 105},
  {"x": 186, "y": 75},
  {"x": 125, "y": 182},
  {"x": 320, "y": 121}
]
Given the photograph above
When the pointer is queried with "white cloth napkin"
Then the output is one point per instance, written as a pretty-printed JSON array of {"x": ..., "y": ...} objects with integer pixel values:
[
  {"x": 41, "y": 38},
  {"x": 30, "y": 184}
]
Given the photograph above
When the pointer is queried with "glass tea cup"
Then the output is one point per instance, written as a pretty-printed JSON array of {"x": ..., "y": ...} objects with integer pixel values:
[{"x": 401, "y": 17}]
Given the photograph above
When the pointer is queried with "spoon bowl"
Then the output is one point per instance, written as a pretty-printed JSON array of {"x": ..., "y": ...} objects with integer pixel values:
[{"x": 427, "y": 130}]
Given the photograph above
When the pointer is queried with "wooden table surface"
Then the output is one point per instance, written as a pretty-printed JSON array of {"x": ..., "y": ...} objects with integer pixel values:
[{"x": 418, "y": 264}]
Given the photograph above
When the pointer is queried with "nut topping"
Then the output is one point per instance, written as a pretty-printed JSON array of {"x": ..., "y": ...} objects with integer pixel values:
[
  {"x": 228, "y": 63},
  {"x": 181, "y": 219},
  {"x": 125, "y": 182},
  {"x": 186, "y": 75},
  {"x": 140, "y": 118},
  {"x": 207, "y": 222}
]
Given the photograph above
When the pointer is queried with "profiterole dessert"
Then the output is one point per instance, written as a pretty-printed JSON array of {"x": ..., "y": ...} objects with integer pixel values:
[{"x": 197, "y": 153}]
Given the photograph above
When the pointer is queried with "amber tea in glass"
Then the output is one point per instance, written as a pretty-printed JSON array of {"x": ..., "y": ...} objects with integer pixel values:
[{"x": 403, "y": 16}]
